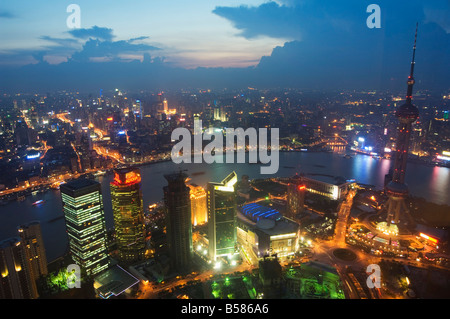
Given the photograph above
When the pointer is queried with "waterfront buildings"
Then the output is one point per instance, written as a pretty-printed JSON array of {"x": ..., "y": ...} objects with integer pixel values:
[
  {"x": 128, "y": 211},
  {"x": 85, "y": 224},
  {"x": 335, "y": 188}
]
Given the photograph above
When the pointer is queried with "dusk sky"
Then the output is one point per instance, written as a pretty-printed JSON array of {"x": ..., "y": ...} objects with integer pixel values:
[{"x": 292, "y": 43}]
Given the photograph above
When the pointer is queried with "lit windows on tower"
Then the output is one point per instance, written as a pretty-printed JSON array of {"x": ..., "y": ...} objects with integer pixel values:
[
  {"x": 199, "y": 211},
  {"x": 295, "y": 198},
  {"x": 221, "y": 201},
  {"x": 85, "y": 224},
  {"x": 128, "y": 211},
  {"x": 31, "y": 236}
]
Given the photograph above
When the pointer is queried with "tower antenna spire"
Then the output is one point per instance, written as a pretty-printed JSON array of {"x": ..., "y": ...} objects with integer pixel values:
[
  {"x": 396, "y": 189},
  {"x": 411, "y": 74}
]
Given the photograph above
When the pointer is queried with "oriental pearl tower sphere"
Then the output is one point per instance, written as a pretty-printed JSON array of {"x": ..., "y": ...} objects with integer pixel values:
[{"x": 397, "y": 190}]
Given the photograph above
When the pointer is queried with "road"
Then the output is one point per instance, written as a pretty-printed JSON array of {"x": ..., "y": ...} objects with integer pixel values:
[
  {"x": 151, "y": 290},
  {"x": 341, "y": 223}
]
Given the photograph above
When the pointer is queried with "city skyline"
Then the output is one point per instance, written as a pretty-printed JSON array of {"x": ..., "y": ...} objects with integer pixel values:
[
  {"x": 263, "y": 221},
  {"x": 99, "y": 104}
]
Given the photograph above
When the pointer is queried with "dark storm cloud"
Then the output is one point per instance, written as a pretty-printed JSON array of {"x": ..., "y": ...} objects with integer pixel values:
[
  {"x": 293, "y": 19},
  {"x": 269, "y": 19},
  {"x": 333, "y": 47}
]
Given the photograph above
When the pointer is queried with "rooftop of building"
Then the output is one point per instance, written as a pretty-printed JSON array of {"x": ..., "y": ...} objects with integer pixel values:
[
  {"x": 271, "y": 227},
  {"x": 328, "y": 179},
  {"x": 78, "y": 184},
  {"x": 176, "y": 176},
  {"x": 114, "y": 281},
  {"x": 29, "y": 224},
  {"x": 8, "y": 242},
  {"x": 126, "y": 170},
  {"x": 270, "y": 267},
  {"x": 255, "y": 212}
]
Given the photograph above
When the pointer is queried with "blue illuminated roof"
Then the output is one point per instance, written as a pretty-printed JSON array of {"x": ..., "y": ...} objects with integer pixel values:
[{"x": 255, "y": 212}]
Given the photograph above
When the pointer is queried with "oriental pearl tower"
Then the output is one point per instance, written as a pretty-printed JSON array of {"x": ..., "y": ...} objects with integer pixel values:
[{"x": 396, "y": 189}]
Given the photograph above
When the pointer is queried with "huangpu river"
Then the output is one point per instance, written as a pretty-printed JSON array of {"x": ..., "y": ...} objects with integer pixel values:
[{"x": 432, "y": 183}]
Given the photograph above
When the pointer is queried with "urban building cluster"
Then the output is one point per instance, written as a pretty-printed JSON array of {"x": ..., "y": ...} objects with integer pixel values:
[{"x": 267, "y": 232}]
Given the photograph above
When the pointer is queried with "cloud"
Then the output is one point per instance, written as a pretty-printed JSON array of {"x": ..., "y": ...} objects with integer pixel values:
[
  {"x": 268, "y": 19},
  {"x": 101, "y": 48},
  {"x": 327, "y": 46},
  {"x": 439, "y": 12},
  {"x": 94, "y": 32},
  {"x": 60, "y": 41},
  {"x": 138, "y": 39},
  {"x": 294, "y": 20},
  {"x": 6, "y": 15},
  {"x": 331, "y": 46},
  {"x": 96, "y": 50}
]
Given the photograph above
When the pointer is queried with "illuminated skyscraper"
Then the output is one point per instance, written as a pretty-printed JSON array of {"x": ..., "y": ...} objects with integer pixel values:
[
  {"x": 179, "y": 225},
  {"x": 165, "y": 106},
  {"x": 128, "y": 210},
  {"x": 397, "y": 190},
  {"x": 16, "y": 281},
  {"x": 222, "y": 217},
  {"x": 85, "y": 224},
  {"x": 31, "y": 237},
  {"x": 295, "y": 198},
  {"x": 199, "y": 211}
]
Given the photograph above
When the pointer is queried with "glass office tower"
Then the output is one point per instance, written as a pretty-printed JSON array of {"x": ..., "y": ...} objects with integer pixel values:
[
  {"x": 128, "y": 210},
  {"x": 85, "y": 224},
  {"x": 179, "y": 225},
  {"x": 222, "y": 217}
]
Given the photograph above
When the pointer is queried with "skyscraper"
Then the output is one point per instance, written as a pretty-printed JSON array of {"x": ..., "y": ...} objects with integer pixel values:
[
  {"x": 16, "y": 281},
  {"x": 22, "y": 133},
  {"x": 221, "y": 201},
  {"x": 295, "y": 198},
  {"x": 396, "y": 189},
  {"x": 31, "y": 237},
  {"x": 85, "y": 224},
  {"x": 178, "y": 221},
  {"x": 128, "y": 210},
  {"x": 199, "y": 211}
]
